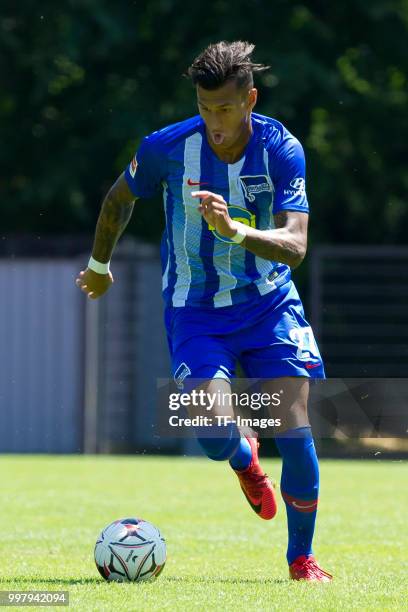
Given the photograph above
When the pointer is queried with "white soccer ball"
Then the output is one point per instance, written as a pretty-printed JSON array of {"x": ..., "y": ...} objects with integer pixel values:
[{"x": 130, "y": 550}]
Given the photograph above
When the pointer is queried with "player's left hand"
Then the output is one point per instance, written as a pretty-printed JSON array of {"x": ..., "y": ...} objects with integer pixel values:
[{"x": 214, "y": 209}]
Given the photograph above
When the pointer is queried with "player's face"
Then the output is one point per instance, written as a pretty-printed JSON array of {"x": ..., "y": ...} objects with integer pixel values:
[{"x": 226, "y": 112}]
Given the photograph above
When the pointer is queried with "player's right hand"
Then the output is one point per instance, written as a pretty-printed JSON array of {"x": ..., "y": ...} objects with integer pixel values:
[{"x": 94, "y": 284}]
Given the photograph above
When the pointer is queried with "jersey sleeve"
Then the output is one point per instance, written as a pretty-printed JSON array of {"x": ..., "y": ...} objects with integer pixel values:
[
  {"x": 146, "y": 171},
  {"x": 289, "y": 177}
]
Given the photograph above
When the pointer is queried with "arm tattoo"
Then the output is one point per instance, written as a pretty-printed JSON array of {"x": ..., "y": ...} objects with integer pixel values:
[{"x": 116, "y": 211}]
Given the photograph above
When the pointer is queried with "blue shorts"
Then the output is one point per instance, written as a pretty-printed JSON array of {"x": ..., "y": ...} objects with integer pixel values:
[{"x": 268, "y": 336}]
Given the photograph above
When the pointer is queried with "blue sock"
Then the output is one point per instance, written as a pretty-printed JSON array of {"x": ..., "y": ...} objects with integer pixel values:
[
  {"x": 223, "y": 443},
  {"x": 227, "y": 443},
  {"x": 242, "y": 457},
  {"x": 299, "y": 488}
]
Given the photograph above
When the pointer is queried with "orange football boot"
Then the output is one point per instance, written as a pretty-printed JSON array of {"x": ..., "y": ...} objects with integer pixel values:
[{"x": 256, "y": 486}]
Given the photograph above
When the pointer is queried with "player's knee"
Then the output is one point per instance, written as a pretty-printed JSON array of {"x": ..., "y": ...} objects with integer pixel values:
[{"x": 223, "y": 445}]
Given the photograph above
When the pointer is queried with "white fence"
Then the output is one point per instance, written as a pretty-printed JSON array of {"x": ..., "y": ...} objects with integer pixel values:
[{"x": 80, "y": 376}]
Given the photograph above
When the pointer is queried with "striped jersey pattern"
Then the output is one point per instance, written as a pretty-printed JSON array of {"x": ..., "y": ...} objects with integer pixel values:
[{"x": 200, "y": 267}]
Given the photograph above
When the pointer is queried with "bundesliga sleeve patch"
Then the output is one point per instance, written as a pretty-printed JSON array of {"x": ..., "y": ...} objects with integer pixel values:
[{"x": 133, "y": 167}]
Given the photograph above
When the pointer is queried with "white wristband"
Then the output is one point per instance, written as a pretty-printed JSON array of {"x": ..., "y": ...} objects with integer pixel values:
[
  {"x": 240, "y": 235},
  {"x": 97, "y": 266}
]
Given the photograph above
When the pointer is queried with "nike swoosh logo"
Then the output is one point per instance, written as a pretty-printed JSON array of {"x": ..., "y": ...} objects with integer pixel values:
[
  {"x": 195, "y": 183},
  {"x": 256, "y": 507},
  {"x": 312, "y": 365},
  {"x": 302, "y": 506}
]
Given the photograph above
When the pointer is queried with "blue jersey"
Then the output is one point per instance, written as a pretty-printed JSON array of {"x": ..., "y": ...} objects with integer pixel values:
[{"x": 201, "y": 267}]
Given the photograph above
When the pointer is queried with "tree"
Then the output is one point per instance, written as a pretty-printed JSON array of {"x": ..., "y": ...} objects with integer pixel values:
[{"x": 86, "y": 80}]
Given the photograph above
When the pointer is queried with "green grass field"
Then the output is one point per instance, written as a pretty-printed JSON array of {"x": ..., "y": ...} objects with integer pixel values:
[{"x": 221, "y": 556}]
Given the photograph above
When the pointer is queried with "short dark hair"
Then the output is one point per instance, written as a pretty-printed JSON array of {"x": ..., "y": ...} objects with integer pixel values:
[{"x": 223, "y": 62}]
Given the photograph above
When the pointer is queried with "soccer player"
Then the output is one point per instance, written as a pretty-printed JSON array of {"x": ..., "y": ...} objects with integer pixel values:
[{"x": 233, "y": 185}]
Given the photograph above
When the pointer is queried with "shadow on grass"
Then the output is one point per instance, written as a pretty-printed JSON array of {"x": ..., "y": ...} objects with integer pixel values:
[{"x": 181, "y": 580}]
